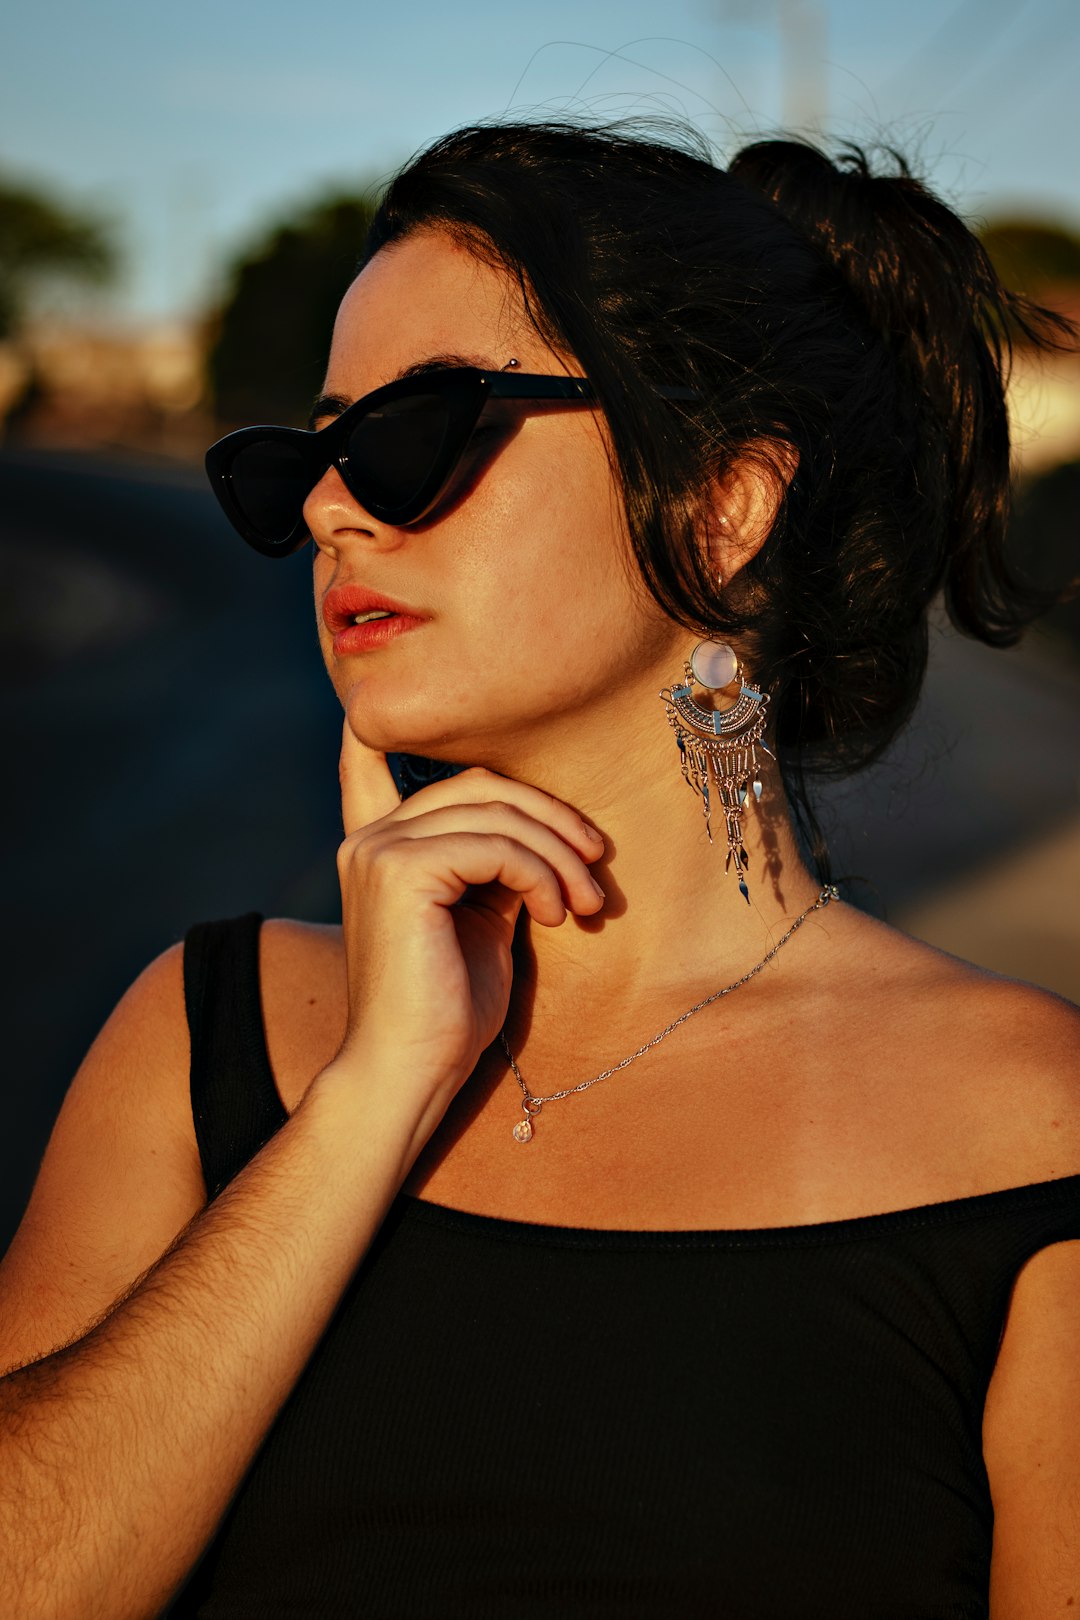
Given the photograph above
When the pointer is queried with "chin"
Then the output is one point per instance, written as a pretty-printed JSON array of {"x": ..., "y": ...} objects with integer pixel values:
[{"x": 391, "y": 738}]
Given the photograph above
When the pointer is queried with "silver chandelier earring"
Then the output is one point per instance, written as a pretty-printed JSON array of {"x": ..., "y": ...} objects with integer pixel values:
[{"x": 718, "y": 748}]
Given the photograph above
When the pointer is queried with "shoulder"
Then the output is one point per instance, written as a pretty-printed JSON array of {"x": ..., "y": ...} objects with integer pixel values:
[
  {"x": 975, "y": 1011},
  {"x": 143, "y": 1050},
  {"x": 1000, "y": 1056},
  {"x": 1018, "y": 1049},
  {"x": 123, "y": 1142},
  {"x": 124, "y": 1139},
  {"x": 304, "y": 1000},
  {"x": 290, "y": 943},
  {"x": 933, "y": 988}
]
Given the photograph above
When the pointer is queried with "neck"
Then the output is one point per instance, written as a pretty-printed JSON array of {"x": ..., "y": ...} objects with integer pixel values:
[{"x": 674, "y": 925}]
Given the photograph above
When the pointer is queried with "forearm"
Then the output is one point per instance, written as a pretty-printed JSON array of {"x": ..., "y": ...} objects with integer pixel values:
[{"x": 119, "y": 1453}]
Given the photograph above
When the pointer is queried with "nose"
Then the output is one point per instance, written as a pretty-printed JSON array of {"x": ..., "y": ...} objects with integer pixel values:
[{"x": 334, "y": 516}]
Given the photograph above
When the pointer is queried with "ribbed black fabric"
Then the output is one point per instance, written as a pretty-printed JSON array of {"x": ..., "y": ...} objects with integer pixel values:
[
  {"x": 511, "y": 1421},
  {"x": 234, "y": 1100}
]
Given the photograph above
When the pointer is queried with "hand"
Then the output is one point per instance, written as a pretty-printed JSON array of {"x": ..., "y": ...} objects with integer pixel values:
[{"x": 431, "y": 888}]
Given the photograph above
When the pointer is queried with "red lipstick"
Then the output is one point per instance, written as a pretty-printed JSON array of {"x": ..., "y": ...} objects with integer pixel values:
[{"x": 341, "y": 607}]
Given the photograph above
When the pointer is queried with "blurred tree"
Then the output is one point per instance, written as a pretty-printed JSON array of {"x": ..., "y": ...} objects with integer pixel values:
[
  {"x": 42, "y": 242},
  {"x": 1042, "y": 543},
  {"x": 1041, "y": 258},
  {"x": 268, "y": 355},
  {"x": 1031, "y": 254}
]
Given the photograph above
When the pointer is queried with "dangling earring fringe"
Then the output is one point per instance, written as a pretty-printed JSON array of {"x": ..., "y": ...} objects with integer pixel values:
[{"x": 720, "y": 746}]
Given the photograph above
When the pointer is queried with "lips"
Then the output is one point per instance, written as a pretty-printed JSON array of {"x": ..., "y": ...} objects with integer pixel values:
[{"x": 344, "y": 602}]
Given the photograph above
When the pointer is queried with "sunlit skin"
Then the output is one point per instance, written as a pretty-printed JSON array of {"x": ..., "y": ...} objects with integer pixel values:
[
  {"x": 862, "y": 1072},
  {"x": 150, "y": 1336},
  {"x": 544, "y": 655}
]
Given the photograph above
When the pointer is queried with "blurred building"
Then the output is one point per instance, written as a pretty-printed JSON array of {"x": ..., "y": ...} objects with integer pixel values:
[{"x": 85, "y": 386}]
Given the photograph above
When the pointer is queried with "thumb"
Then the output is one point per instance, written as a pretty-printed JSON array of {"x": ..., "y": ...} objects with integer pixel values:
[{"x": 367, "y": 787}]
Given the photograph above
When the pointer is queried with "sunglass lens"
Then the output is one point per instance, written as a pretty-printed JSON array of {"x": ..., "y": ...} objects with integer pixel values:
[
  {"x": 394, "y": 449},
  {"x": 270, "y": 483}
]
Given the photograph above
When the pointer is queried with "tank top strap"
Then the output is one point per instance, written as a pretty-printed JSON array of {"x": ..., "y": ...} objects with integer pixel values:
[{"x": 234, "y": 1100}]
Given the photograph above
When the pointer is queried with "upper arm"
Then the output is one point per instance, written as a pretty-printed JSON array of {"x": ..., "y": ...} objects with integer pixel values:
[
  {"x": 1031, "y": 1442},
  {"x": 1031, "y": 1424},
  {"x": 120, "y": 1176}
]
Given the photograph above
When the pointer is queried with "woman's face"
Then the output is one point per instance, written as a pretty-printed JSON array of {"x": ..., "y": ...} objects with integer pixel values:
[{"x": 535, "y": 623}]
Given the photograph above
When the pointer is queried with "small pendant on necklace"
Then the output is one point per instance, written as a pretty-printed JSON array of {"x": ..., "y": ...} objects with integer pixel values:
[{"x": 523, "y": 1130}]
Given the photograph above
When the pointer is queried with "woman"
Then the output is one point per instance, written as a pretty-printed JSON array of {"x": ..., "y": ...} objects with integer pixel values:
[{"x": 612, "y": 1221}]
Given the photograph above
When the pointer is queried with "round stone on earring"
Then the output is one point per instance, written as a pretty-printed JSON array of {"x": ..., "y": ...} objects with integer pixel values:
[{"x": 714, "y": 665}]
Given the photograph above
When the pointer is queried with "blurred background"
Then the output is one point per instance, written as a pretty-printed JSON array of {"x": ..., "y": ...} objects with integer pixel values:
[{"x": 183, "y": 196}]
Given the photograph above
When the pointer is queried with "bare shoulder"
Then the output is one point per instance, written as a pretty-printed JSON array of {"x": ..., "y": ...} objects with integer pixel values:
[
  {"x": 1018, "y": 1020},
  {"x": 999, "y": 1056},
  {"x": 120, "y": 1176},
  {"x": 304, "y": 1000},
  {"x": 286, "y": 942}
]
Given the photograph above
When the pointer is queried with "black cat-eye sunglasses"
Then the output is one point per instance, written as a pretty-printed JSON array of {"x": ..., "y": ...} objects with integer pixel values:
[{"x": 396, "y": 450}]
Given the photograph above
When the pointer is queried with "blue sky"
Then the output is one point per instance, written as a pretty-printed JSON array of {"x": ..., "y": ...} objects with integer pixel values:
[{"x": 193, "y": 123}]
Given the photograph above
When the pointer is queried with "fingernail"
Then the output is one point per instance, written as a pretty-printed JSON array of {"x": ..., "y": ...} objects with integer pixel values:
[
  {"x": 592, "y": 833},
  {"x": 597, "y": 887}
]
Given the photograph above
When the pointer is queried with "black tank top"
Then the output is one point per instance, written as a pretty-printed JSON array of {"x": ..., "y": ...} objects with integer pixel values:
[{"x": 507, "y": 1420}]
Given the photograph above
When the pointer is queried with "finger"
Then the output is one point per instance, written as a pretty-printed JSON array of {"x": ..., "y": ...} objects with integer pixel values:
[
  {"x": 367, "y": 787},
  {"x": 579, "y": 888},
  {"x": 479, "y": 786},
  {"x": 467, "y": 861}
]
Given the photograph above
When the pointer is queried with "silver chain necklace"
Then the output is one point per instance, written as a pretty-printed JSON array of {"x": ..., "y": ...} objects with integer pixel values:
[{"x": 531, "y": 1106}]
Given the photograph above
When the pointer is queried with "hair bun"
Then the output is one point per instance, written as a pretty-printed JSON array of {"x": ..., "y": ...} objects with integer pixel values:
[
  {"x": 923, "y": 278},
  {"x": 930, "y": 291}
]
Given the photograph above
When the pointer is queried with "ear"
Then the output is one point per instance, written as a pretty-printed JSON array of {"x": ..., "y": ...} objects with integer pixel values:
[{"x": 743, "y": 505}]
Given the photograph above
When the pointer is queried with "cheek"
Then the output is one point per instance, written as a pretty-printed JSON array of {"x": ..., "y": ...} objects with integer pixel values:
[
  {"x": 547, "y": 587},
  {"x": 550, "y": 534}
]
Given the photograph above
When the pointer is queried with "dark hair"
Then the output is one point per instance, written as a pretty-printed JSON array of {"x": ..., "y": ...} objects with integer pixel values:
[{"x": 814, "y": 305}]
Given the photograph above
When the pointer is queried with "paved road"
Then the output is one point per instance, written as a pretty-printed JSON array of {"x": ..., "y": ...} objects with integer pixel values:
[{"x": 174, "y": 745}]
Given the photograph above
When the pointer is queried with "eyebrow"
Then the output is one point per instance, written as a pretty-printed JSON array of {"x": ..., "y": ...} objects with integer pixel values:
[{"x": 334, "y": 404}]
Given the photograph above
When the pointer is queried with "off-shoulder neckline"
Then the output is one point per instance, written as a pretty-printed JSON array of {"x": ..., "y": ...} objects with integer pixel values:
[
  {"x": 970, "y": 1207},
  {"x": 949, "y": 1211}
]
